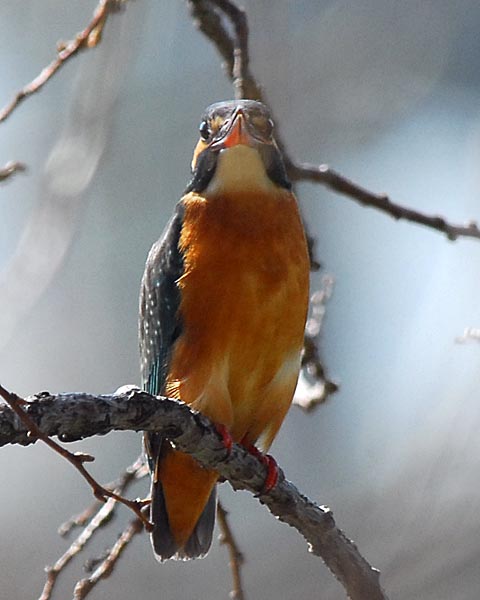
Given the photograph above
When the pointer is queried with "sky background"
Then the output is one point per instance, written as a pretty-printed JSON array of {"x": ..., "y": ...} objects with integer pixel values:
[{"x": 386, "y": 92}]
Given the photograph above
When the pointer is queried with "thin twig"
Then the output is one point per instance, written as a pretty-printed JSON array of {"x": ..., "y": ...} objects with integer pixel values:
[
  {"x": 233, "y": 49},
  {"x": 102, "y": 516},
  {"x": 99, "y": 515},
  {"x": 315, "y": 387},
  {"x": 77, "y": 460},
  {"x": 236, "y": 557},
  {"x": 81, "y": 519},
  {"x": 210, "y": 24},
  {"x": 105, "y": 569},
  {"x": 244, "y": 83},
  {"x": 134, "y": 472},
  {"x": 470, "y": 334},
  {"x": 326, "y": 176},
  {"x": 11, "y": 168},
  {"x": 88, "y": 38}
]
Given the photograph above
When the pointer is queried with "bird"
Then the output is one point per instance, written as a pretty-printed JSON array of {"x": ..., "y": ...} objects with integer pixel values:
[{"x": 223, "y": 306}]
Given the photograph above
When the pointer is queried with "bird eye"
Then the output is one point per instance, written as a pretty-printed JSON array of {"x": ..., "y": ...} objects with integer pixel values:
[{"x": 204, "y": 130}]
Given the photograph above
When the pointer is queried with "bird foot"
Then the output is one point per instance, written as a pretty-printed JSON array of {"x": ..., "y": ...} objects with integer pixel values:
[
  {"x": 272, "y": 468},
  {"x": 225, "y": 436},
  {"x": 272, "y": 473}
]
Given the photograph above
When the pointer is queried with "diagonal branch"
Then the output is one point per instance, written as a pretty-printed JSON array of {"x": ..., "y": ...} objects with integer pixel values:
[
  {"x": 106, "y": 566},
  {"x": 210, "y": 23},
  {"x": 76, "y": 416},
  {"x": 97, "y": 516},
  {"x": 10, "y": 169},
  {"x": 326, "y": 176},
  {"x": 78, "y": 460},
  {"x": 88, "y": 38},
  {"x": 207, "y": 15}
]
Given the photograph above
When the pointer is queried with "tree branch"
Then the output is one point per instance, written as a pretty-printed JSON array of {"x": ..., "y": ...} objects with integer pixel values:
[
  {"x": 78, "y": 459},
  {"x": 106, "y": 566},
  {"x": 77, "y": 415},
  {"x": 326, "y": 176},
  {"x": 236, "y": 557},
  {"x": 88, "y": 38},
  {"x": 314, "y": 386},
  {"x": 10, "y": 169},
  {"x": 92, "y": 519},
  {"x": 209, "y": 22},
  {"x": 234, "y": 50}
]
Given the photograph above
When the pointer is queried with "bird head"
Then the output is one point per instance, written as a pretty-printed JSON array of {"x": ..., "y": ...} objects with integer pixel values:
[{"x": 237, "y": 149}]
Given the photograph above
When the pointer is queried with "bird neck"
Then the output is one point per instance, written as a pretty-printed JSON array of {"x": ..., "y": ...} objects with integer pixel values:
[{"x": 240, "y": 169}]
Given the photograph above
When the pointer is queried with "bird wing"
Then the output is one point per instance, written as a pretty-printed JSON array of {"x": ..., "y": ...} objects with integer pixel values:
[{"x": 160, "y": 323}]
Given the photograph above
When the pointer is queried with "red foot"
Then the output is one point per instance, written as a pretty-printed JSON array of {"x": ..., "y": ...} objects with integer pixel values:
[
  {"x": 272, "y": 473},
  {"x": 272, "y": 468},
  {"x": 226, "y": 437}
]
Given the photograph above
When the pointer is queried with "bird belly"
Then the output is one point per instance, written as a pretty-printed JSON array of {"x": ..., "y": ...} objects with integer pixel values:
[{"x": 244, "y": 298}]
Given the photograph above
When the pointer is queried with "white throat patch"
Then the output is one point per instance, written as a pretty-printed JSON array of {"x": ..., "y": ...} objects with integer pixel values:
[{"x": 239, "y": 168}]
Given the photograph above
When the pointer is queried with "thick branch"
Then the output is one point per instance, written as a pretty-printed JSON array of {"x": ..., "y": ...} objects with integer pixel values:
[
  {"x": 77, "y": 459},
  {"x": 76, "y": 416}
]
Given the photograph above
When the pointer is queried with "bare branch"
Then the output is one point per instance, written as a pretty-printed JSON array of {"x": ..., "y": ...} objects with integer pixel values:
[
  {"x": 233, "y": 48},
  {"x": 70, "y": 167},
  {"x": 10, "y": 169},
  {"x": 314, "y": 386},
  {"x": 98, "y": 514},
  {"x": 326, "y": 176},
  {"x": 246, "y": 84},
  {"x": 88, "y": 38},
  {"x": 236, "y": 557},
  {"x": 104, "y": 570},
  {"x": 102, "y": 516},
  {"x": 75, "y": 416},
  {"x": 135, "y": 472},
  {"x": 77, "y": 460},
  {"x": 209, "y": 22},
  {"x": 470, "y": 334}
]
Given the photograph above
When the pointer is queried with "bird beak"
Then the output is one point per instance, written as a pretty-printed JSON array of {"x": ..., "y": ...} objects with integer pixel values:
[{"x": 237, "y": 133}]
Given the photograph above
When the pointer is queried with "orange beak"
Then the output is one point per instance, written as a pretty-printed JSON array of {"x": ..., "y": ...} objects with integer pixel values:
[{"x": 238, "y": 133}]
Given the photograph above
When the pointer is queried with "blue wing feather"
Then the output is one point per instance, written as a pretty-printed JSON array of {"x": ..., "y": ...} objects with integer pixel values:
[
  {"x": 160, "y": 323},
  {"x": 160, "y": 326}
]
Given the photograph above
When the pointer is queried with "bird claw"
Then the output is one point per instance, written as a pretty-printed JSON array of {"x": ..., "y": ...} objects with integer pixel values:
[
  {"x": 225, "y": 436},
  {"x": 271, "y": 479},
  {"x": 272, "y": 468}
]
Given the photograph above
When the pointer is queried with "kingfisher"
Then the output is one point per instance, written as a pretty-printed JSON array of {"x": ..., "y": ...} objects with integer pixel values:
[{"x": 223, "y": 306}]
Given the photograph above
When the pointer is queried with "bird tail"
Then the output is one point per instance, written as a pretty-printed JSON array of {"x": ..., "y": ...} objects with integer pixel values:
[{"x": 183, "y": 509}]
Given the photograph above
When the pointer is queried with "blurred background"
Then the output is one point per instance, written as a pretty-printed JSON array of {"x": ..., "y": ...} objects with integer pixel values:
[{"x": 386, "y": 92}]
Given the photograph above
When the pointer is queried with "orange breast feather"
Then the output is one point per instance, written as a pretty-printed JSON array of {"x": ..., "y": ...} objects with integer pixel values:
[{"x": 244, "y": 299}]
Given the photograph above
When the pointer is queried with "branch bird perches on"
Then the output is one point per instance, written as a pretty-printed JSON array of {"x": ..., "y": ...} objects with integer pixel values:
[{"x": 72, "y": 417}]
